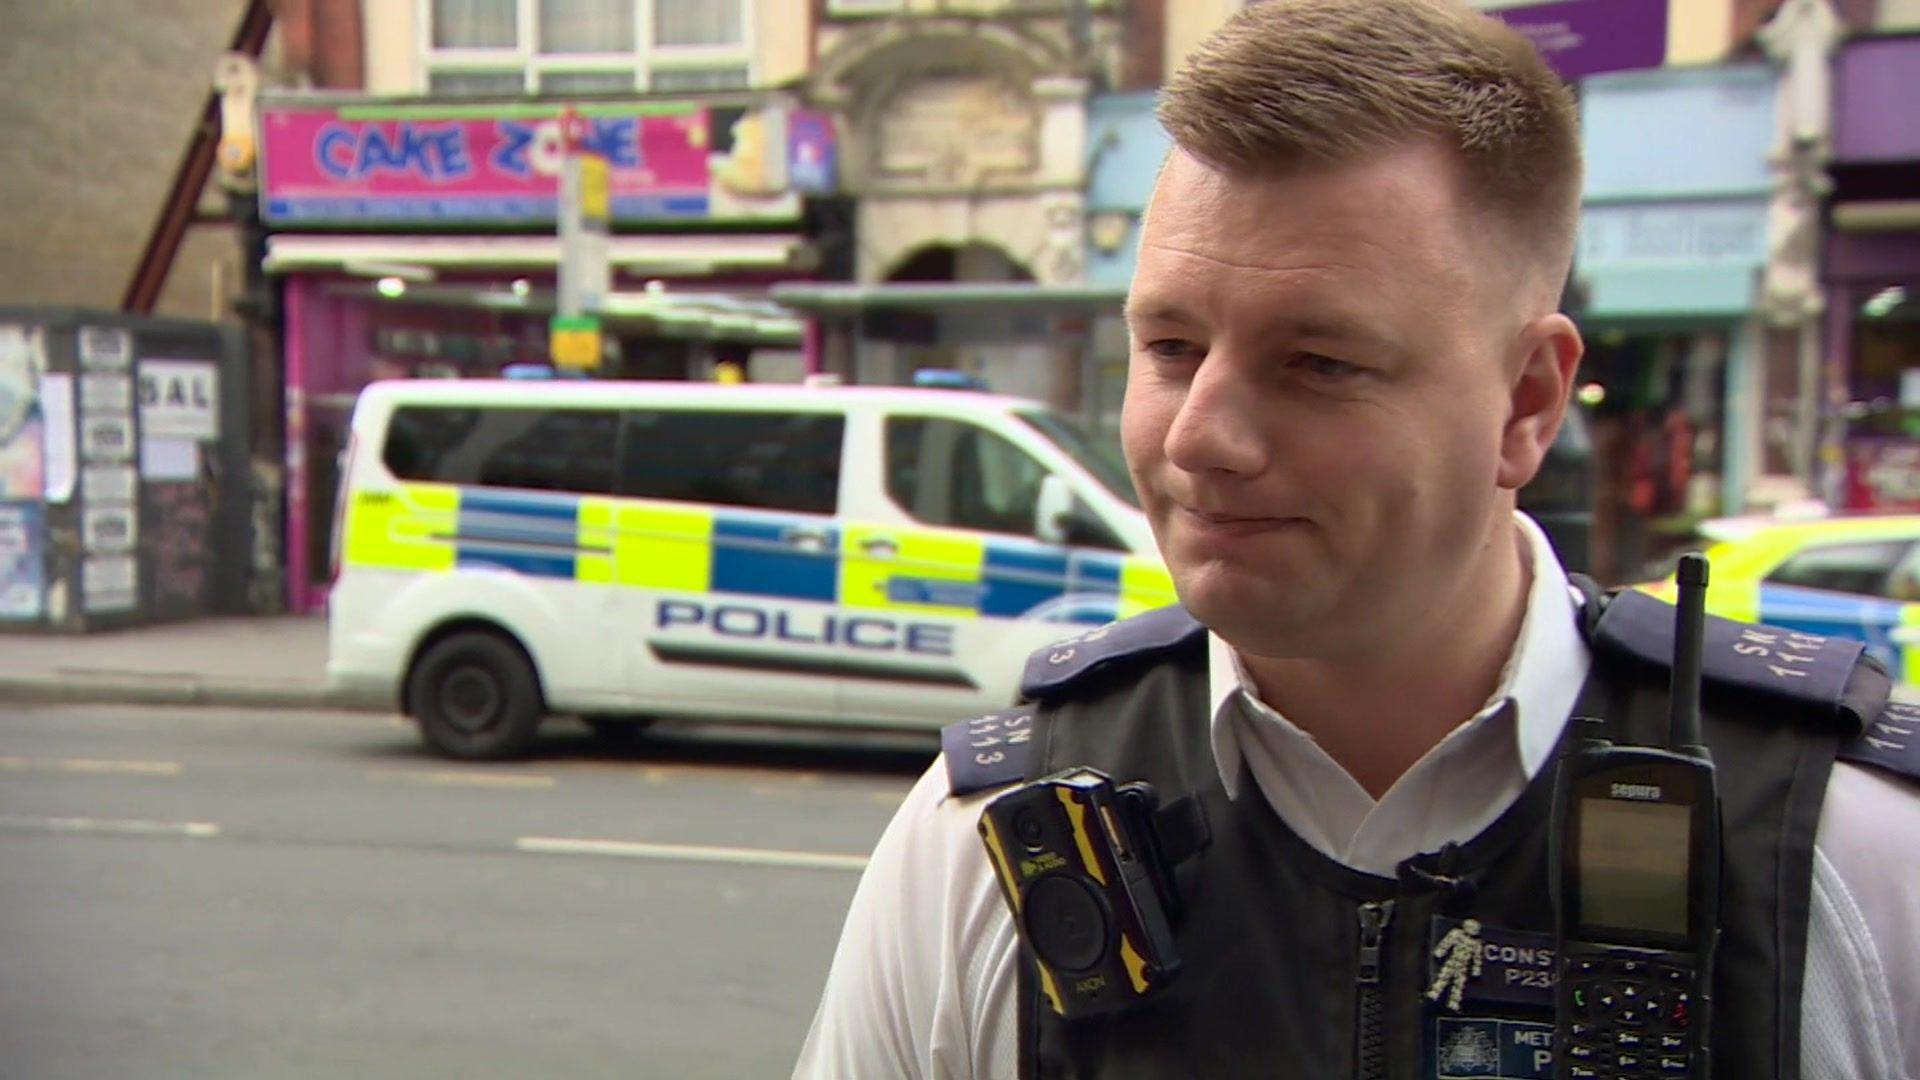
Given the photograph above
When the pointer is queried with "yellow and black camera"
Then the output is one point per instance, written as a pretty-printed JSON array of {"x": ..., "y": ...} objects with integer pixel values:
[{"x": 1083, "y": 869}]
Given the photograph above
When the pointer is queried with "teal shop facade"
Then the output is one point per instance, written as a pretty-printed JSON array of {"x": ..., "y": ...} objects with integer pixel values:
[
  {"x": 1673, "y": 241},
  {"x": 1125, "y": 145}
]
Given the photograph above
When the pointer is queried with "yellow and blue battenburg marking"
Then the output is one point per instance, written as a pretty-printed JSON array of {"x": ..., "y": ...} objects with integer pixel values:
[
  {"x": 1862, "y": 618},
  {"x": 670, "y": 546},
  {"x": 537, "y": 535}
]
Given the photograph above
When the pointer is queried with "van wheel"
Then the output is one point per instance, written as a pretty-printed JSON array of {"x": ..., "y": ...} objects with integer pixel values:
[{"x": 476, "y": 696}]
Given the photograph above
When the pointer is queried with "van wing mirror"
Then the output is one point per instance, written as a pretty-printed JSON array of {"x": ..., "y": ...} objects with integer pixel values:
[{"x": 1053, "y": 510}]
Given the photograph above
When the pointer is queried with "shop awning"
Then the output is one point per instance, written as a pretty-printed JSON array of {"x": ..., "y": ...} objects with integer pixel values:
[
  {"x": 664, "y": 256},
  {"x": 704, "y": 316},
  {"x": 851, "y": 300}
]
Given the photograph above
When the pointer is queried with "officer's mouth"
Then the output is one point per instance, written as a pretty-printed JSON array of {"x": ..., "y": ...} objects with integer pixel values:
[{"x": 1207, "y": 525}]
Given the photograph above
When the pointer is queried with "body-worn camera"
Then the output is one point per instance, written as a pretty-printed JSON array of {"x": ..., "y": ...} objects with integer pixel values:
[{"x": 1084, "y": 871}]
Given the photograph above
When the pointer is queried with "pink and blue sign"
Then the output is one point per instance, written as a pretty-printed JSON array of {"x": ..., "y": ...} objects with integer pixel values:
[{"x": 444, "y": 164}]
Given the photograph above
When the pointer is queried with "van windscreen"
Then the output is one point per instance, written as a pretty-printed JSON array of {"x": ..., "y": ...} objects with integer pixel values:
[{"x": 1099, "y": 458}]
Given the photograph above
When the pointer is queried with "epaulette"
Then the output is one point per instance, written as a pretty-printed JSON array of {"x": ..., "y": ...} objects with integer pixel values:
[
  {"x": 1826, "y": 677},
  {"x": 988, "y": 751},
  {"x": 1891, "y": 742},
  {"x": 1052, "y": 671}
]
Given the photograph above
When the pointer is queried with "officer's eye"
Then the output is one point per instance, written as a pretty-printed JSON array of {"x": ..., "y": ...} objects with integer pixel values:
[
  {"x": 1173, "y": 350},
  {"x": 1326, "y": 367}
]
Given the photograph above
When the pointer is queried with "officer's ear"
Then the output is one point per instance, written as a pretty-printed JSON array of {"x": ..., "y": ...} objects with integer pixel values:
[{"x": 1541, "y": 367}]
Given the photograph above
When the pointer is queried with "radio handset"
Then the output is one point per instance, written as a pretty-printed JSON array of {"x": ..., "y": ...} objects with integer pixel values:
[{"x": 1636, "y": 890}]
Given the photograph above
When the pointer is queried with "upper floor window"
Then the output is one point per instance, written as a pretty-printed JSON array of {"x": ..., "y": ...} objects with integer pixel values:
[{"x": 496, "y": 47}]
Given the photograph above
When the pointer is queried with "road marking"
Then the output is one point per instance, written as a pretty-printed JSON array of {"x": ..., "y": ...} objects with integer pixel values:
[
  {"x": 457, "y": 778},
  {"x": 93, "y": 766},
  {"x": 633, "y": 849},
  {"x": 747, "y": 774},
  {"x": 130, "y": 768},
  {"x": 110, "y": 826}
]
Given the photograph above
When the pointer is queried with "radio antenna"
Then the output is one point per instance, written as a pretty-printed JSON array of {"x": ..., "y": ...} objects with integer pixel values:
[{"x": 1689, "y": 630}]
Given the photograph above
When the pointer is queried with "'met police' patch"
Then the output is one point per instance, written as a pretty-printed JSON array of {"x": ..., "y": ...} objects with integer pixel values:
[{"x": 1486, "y": 1048}]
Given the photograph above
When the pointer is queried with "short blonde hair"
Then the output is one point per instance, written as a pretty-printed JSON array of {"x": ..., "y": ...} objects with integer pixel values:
[{"x": 1293, "y": 83}]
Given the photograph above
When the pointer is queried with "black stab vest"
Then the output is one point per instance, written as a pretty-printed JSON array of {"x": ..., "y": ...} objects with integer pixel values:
[{"x": 1269, "y": 940}]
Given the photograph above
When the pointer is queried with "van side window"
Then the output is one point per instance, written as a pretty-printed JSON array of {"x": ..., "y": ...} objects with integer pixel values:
[
  {"x": 762, "y": 460},
  {"x": 948, "y": 472},
  {"x": 1863, "y": 568},
  {"x": 540, "y": 449}
]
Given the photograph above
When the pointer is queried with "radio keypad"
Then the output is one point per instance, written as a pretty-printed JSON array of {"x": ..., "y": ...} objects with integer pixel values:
[{"x": 1634, "y": 1020}]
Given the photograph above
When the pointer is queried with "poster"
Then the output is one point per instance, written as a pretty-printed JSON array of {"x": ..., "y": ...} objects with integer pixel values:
[
  {"x": 106, "y": 438},
  {"x": 22, "y": 361},
  {"x": 108, "y": 393},
  {"x": 108, "y": 528},
  {"x": 107, "y": 583},
  {"x": 180, "y": 398},
  {"x": 22, "y": 564},
  {"x": 107, "y": 483},
  {"x": 105, "y": 348},
  {"x": 169, "y": 459},
  {"x": 811, "y": 160},
  {"x": 58, "y": 456},
  {"x": 1883, "y": 475}
]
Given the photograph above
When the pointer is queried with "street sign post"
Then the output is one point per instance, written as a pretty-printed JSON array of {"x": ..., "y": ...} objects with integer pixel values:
[{"x": 574, "y": 335}]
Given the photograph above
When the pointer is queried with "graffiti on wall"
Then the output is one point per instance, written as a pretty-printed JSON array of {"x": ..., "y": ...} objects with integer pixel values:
[{"x": 180, "y": 524}]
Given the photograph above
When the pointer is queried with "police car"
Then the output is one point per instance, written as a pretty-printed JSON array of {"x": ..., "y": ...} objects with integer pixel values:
[
  {"x": 1849, "y": 577},
  {"x": 872, "y": 556}
]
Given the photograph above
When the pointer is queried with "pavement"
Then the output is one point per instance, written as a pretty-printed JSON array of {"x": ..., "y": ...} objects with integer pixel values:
[
  {"x": 275, "y": 661},
  {"x": 264, "y": 662}
]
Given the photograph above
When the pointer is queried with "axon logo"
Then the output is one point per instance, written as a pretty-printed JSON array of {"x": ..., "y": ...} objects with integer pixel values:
[{"x": 1648, "y": 792}]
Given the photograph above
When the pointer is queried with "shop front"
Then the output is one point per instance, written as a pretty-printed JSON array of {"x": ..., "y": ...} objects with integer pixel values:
[
  {"x": 1873, "y": 279},
  {"x": 418, "y": 240},
  {"x": 1674, "y": 235}
]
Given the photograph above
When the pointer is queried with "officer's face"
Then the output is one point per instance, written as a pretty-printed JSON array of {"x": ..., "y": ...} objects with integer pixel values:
[{"x": 1322, "y": 398}]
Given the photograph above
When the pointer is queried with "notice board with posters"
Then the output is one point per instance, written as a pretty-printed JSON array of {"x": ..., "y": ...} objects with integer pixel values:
[{"x": 126, "y": 486}]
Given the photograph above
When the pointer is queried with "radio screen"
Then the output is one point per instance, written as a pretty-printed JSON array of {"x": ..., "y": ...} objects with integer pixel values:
[{"x": 1633, "y": 865}]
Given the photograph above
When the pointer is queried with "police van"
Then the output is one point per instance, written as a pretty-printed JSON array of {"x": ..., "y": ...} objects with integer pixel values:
[{"x": 618, "y": 551}]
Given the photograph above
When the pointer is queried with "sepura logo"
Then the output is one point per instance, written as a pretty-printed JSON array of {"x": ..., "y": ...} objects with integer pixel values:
[{"x": 1642, "y": 792}]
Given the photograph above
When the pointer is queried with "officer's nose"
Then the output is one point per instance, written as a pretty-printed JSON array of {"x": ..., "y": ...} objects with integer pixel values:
[{"x": 1216, "y": 429}]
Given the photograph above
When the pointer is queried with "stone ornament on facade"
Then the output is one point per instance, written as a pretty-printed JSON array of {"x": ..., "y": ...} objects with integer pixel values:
[
  {"x": 888, "y": 80},
  {"x": 1801, "y": 37},
  {"x": 948, "y": 131},
  {"x": 1060, "y": 260}
]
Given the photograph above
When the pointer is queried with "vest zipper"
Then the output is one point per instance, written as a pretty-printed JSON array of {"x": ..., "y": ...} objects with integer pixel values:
[{"x": 1370, "y": 1058}]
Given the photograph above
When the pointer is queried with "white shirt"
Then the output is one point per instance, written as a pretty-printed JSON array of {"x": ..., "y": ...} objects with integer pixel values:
[{"x": 923, "y": 983}]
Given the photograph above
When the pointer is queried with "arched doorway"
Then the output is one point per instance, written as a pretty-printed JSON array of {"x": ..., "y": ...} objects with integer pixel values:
[
  {"x": 1005, "y": 349},
  {"x": 958, "y": 262}
]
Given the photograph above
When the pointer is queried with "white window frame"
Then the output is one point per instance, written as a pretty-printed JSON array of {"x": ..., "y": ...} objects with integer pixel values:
[
  {"x": 530, "y": 65},
  {"x": 864, "y": 7}
]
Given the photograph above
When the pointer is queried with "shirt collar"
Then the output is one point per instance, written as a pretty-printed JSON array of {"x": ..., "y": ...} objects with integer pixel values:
[{"x": 1543, "y": 675}]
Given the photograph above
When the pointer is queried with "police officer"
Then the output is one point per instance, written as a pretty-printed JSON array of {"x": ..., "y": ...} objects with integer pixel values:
[{"x": 1346, "y": 358}]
